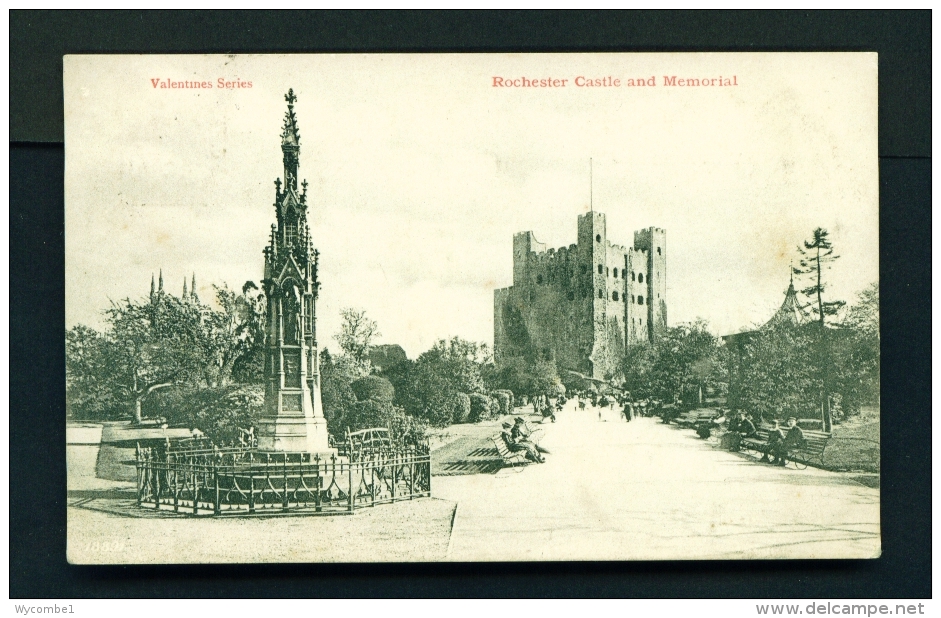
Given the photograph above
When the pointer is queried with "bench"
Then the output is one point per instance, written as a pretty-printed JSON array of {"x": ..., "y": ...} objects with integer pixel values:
[
  {"x": 813, "y": 447},
  {"x": 367, "y": 442},
  {"x": 533, "y": 434},
  {"x": 509, "y": 457},
  {"x": 694, "y": 417}
]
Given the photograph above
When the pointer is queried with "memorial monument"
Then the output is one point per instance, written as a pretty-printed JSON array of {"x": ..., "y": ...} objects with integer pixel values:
[{"x": 293, "y": 419}]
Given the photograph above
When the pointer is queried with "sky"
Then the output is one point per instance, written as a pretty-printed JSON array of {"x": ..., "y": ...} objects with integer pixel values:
[{"x": 421, "y": 170}]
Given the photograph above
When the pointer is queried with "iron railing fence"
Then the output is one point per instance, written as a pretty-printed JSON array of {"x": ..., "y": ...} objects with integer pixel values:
[{"x": 234, "y": 480}]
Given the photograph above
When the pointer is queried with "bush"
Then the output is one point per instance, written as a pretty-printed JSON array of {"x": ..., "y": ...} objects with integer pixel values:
[
  {"x": 461, "y": 407},
  {"x": 505, "y": 398},
  {"x": 494, "y": 408},
  {"x": 373, "y": 387},
  {"x": 217, "y": 412},
  {"x": 479, "y": 407}
]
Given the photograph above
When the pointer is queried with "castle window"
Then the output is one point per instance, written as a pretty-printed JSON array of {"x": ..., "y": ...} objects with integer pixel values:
[
  {"x": 600, "y": 293},
  {"x": 640, "y": 300},
  {"x": 658, "y": 251},
  {"x": 538, "y": 278},
  {"x": 290, "y": 233},
  {"x": 633, "y": 276},
  {"x": 600, "y": 269},
  {"x": 598, "y": 238},
  {"x": 633, "y": 299},
  {"x": 607, "y": 271},
  {"x": 640, "y": 278},
  {"x": 614, "y": 295},
  {"x": 615, "y": 273}
]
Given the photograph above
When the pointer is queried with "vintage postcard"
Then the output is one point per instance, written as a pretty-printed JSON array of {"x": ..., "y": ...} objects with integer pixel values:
[{"x": 483, "y": 307}]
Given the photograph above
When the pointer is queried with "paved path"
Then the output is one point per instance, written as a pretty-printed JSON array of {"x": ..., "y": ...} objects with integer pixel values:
[{"x": 613, "y": 490}]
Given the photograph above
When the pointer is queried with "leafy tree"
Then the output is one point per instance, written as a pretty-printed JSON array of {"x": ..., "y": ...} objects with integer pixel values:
[
  {"x": 778, "y": 373},
  {"x": 356, "y": 336},
  {"x": 90, "y": 388},
  {"x": 459, "y": 361},
  {"x": 161, "y": 343},
  {"x": 336, "y": 393},
  {"x": 545, "y": 379},
  {"x": 238, "y": 334},
  {"x": 855, "y": 353},
  {"x": 156, "y": 345},
  {"x": 685, "y": 361},
  {"x": 638, "y": 370}
]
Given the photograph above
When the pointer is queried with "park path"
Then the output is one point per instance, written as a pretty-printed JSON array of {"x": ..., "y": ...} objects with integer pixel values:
[{"x": 613, "y": 490}]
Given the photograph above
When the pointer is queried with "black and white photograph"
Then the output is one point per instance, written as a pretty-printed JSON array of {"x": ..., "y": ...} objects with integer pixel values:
[{"x": 472, "y": 307}]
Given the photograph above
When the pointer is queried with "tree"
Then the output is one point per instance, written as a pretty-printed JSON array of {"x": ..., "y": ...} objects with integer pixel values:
[
  {"x": 356, "y": 336},
  {"x": 778, "y": 372},
  {"x": 90, "y": 391},
  {"x": 156, "y": 346},
  {"x": 856, "y": 353},
  {"x": 685, "y": 361},
  {"x": 238, "y": 334},
  {"x": 817, "y": 255}
]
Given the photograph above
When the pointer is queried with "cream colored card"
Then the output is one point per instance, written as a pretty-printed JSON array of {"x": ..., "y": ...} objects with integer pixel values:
[{"x": 658, "y": 190}]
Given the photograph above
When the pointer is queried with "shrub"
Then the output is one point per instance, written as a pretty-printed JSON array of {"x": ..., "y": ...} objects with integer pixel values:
[
  {"x": 505, "y": 398},
  {"x": 373, "y": 387},
  {"x": 218, "y": 412},
  {"x": 494, "y": 408},
  {"x": 461, "y": 407},
  {"x": 479, "y": 407}
]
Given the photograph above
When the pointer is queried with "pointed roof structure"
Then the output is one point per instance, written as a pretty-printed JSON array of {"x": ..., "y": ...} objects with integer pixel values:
[{"x": 790, "y": 311}]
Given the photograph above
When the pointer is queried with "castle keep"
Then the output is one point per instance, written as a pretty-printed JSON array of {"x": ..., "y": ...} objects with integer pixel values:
[{"x": 582, "y": 304}]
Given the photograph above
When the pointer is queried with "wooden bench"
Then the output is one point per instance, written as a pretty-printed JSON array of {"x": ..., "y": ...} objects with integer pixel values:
[
  {"x": 509, "y": 457},
  {"x": 366, "y": 442},
  {"x": 813, "y": 447},
  {"x": 533, "y": 434},
  {"x": 694, "y": 417}
]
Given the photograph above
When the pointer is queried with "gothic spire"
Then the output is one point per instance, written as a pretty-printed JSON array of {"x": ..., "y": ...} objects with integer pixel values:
[
  {"x": 193, "y": 287},
  {"x": 290, "y": 143},
  {"x": 185, "y": 292},
  {"x": 151, "y": 286},
  {"x": 290, "y": 135},
  {"x": 160, "y": 288}
]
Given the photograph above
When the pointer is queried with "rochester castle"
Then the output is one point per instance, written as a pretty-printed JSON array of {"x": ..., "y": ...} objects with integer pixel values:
[{"x": 582, "y": 304}]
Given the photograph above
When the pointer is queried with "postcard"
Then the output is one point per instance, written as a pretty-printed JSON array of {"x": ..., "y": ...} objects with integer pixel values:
[{"x": 471, "y": 307}]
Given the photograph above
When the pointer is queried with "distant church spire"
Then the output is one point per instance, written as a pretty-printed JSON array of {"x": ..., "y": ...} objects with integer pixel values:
[
  {"x": 160, "y": 285},
  {"x": 185, "y": 293},
  {"x": 193, "y": 287},
  {"x": 151, "y": 286}
]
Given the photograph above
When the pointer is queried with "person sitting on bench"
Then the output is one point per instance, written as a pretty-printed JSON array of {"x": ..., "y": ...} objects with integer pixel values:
[
  {"x": 793, "y": 439},
  {"x": 775, "y": 444},
  {"x": 515, "y": 447},
  {"x": 740, "y": 427},
  {"x": 520, "y": 433}
]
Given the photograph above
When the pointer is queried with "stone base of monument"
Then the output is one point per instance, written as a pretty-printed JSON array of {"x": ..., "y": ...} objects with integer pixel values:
[{"x": 287, "y": 433}]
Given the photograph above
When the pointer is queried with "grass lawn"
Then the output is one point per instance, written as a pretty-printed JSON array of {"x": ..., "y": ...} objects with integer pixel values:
[{"x": 855, "y": 443}]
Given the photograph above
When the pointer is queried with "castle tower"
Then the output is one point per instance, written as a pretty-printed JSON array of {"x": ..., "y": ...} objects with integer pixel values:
[
  {"x": 653, "y": 242},
  {"x": 293, "y": 419},
  {"x": 584, "y": 304},
  {"x": 593, "y": 254}
]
